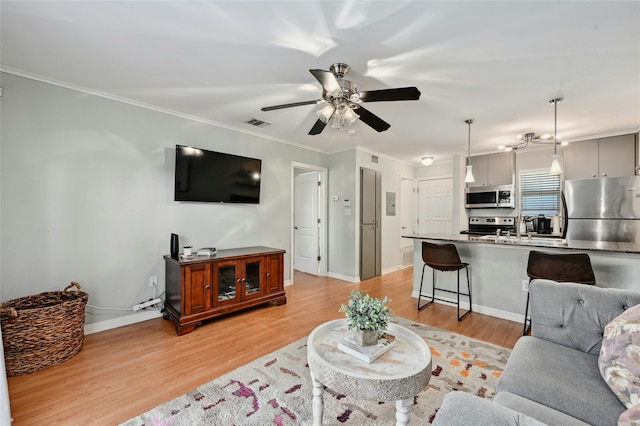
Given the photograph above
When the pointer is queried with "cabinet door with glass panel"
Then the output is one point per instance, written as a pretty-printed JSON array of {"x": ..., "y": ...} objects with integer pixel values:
[{"x": 237, "y": 280}]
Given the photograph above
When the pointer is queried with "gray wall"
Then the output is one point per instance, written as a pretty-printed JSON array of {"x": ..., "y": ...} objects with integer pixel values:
[
  {"x": 87, "y": 194},
  {"x": 342, "y": 243}
]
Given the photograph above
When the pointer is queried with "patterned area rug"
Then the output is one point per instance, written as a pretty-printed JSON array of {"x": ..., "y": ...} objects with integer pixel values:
[{"x": 276, "y": 389}]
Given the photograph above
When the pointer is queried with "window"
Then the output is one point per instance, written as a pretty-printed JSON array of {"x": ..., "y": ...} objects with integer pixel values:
[{"x": 539, "y": 192}]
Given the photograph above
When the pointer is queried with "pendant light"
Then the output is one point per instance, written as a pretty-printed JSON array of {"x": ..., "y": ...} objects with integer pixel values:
[
  {"x": 469, "y": 177},
  {"x": 555, "y": 163}
]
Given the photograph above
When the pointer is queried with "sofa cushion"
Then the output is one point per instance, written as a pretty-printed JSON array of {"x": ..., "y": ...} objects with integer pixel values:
[
  {"x": 562, "y": 378},
  {"x": 537, "y": 411},
  {"x": 463, "y": 409},
  {"x": 575, "y": 315},
  {"x": 619, "y": 359}
]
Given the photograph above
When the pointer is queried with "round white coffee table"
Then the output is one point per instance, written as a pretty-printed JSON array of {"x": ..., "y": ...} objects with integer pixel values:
[{"x": 398, "y": 375}]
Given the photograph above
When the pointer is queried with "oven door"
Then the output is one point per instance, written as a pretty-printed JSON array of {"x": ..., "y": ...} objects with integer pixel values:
[{"x": 481, "y": 198}]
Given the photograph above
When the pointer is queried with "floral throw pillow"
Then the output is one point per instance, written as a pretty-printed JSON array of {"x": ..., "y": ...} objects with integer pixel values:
[
  {"x": 630, "y": 417},
  {"x": 619, "y": 360}
]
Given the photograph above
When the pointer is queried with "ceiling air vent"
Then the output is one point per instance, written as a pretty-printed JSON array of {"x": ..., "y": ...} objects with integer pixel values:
[
  {"x": 374, "y": 159},
  {"x": 257, "y": 123}
]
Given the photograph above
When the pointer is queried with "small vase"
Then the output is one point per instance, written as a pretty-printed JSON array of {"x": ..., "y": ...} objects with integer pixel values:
[{"x": 366, "y": 337}]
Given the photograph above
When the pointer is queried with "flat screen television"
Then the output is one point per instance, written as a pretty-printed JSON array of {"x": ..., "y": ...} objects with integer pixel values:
[{"x": 215, "y": 177}]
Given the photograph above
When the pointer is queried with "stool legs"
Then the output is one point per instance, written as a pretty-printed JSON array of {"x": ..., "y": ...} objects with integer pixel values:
[
  {"x": 458, "y": 293},
  {"x": 420, "y": 291},
  {"x": 527, "y": 321},
  {"x": 468, "y": 294}
]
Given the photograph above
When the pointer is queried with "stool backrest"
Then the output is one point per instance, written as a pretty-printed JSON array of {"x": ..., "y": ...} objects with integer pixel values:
[
  {"x": 571, "y": 267},
  {"x": 443, "y": 257}
]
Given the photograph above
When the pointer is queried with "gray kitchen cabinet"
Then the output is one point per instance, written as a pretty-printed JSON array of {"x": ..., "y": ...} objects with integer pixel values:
[
  {"x": 493, "y": 169},
  {"x": 606, "y": 157}
]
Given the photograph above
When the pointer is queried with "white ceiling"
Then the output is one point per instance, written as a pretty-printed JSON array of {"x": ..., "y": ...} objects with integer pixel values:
[{"x": 221, "y": 61}]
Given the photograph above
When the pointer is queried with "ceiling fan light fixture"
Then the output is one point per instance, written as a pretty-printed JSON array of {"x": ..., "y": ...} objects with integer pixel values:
[
  {"x": 426, "y": 161},
  {"x": 349, "y": 115},
  {"x": 325, "y": 113}
]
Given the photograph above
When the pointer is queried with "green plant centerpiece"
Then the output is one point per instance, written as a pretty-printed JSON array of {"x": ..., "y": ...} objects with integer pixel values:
[{"x": 366, "y": 316}]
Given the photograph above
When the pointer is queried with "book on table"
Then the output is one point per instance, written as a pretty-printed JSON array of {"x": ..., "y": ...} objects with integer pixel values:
[
  {"x": 367, "y": 353},
  {"x": 207, "y": 251}
]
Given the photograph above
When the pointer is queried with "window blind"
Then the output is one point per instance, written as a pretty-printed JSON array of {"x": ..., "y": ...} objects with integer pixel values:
[{"x": 539, "y": 192}]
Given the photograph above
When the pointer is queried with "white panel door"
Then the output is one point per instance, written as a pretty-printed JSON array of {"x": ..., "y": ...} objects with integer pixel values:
[
  {"x": 306, "y": 223},
  {"x": 407, "y": 211},
  {"x": 435, "y": 206}
]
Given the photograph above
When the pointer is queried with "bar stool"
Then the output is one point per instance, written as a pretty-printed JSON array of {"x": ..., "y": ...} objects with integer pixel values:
[
  {"x": 563, "y": 268},
  {"x": 443, "y": 257}
]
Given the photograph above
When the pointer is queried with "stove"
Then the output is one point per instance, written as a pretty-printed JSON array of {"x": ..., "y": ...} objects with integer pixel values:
[{"x": 489, "y": 225}]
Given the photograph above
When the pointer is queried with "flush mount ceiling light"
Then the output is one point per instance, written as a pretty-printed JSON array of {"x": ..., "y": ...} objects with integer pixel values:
[
  {"x": 469, "y": 176},
  {"x": 427, "y": 161}
]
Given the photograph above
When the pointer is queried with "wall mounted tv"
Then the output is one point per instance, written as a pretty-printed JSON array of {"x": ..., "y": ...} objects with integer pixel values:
[{"x": 215, "y": 177}]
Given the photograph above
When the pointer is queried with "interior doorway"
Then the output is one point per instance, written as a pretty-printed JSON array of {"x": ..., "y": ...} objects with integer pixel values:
[
  {"x": 370, "y": 223},
  {"x": 308, "y": 213}
]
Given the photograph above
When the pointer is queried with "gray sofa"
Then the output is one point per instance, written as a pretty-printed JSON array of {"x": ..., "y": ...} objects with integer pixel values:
[{"x": 552, "y": 376}]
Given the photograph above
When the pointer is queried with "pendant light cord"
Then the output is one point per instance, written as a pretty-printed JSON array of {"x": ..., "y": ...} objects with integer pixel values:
[
  {"x": 555, "y": 124},
  {"x": 469, "y": 121}
]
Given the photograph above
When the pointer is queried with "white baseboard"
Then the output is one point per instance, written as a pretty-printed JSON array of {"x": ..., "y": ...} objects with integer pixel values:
[
  {"x": 395, "y": 268},
  {"x": 485, "y": 310},
  {"x": 121, "y": 321},
  {"x": 357, "y": 279},
  {"x": 344, "y": 277}
]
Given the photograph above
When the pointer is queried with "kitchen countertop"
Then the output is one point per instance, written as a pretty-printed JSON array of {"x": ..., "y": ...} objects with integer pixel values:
[{"x": 543, "y": 242}]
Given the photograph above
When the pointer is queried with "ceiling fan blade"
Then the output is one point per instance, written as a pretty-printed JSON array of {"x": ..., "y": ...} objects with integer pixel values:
[
  {"x": 294, "y": 104},
  {"x": 369, "y": 118},
  {"x": 317, "y": 128},
  {"x": 400, "y": 94},
  {"x": 327, "y": 79}
]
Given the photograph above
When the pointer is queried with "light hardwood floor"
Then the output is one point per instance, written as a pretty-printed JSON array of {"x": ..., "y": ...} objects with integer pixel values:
[{"x": 124, "y": 372}]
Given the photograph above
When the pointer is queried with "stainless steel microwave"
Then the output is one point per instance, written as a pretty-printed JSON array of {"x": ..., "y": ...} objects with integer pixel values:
[{"x": 490, "y": 197}]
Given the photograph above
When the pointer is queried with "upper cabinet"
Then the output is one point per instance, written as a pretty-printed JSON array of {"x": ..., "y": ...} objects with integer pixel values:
[
  {"x": 606, "y": 157},
  {"x": 493, "y": 169}
]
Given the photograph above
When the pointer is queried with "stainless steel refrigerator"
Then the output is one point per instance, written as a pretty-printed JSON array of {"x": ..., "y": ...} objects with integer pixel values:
[{"x": 606, "y": 209}]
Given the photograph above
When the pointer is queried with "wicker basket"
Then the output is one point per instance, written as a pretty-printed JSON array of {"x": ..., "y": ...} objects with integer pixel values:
[{"x": 42, "y": 330}]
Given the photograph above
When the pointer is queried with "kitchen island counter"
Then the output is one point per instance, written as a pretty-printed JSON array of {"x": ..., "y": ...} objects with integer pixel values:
[
  {"x": 498, "y": 268},
  {"x": 535, "y": 241}
]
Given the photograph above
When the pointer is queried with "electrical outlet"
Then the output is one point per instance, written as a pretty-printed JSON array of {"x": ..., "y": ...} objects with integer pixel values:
[
  {"x": 153, "y": 281},
  {"x": 525, "y": 285}
]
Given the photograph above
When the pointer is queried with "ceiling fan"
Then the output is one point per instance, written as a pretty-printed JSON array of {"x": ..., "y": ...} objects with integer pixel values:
[{"x": 343, "y": 100}]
